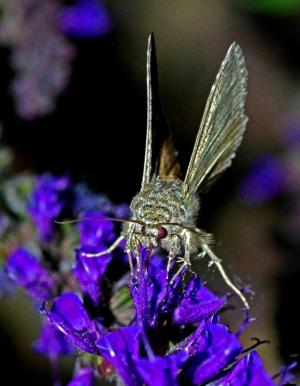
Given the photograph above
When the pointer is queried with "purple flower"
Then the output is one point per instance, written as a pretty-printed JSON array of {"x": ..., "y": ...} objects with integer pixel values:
[
  {"x": 52, "y": 342},
  {"x": 211, "y": 348},
  {"x": 122, "y": 211},
  {"x": 70, "y": 317},
  {"x": 121, "y": 348},
  {"x": 89, "y": 272},
  {"x": 248, "y": 371},
  {"x": 40, "y": 56},
  {"x": 151, "y": 295},
  {"x": 27, "y": 271},
  {"x": 85, "y": 200},
  {"x": 291, "y": 136},
  {"x": 46, "y": 203},
  {"x": 197, "y": 303},
  {"x": 96, "y": 233},
  {"x": 266, "y": 179},
  {"x": 85, "y": 19},
  {"x": 84, "y": 377},
  {"x": 155, "y": 298},
  {"x": 161, "y": 371}
]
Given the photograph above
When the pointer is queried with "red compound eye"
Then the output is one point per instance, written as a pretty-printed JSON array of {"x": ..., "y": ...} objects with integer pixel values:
[{"x": 162, "y": 233}]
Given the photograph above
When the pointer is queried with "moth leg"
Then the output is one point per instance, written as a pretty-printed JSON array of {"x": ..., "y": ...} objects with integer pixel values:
[
  {"x": 108, "y": 250},
  {"x": 175, "y": 246},
  {"x": 130, "y": 263},
  {"x": 201, "y": 255},
  {"x": 215, "y": 260},
  {"x": 135, "y": 247},
  {"x": 182, "y": 267},
  {"x": 187, "y": 246}
]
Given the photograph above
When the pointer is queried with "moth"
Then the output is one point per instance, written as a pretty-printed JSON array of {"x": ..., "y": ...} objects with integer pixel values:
[{"x": 165, "y": 210}]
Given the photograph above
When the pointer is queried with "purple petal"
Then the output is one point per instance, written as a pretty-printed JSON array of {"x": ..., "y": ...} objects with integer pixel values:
[
  {"x": 286, "y": 375},
  {"x": 197, "y": 304},
  {"x": 122, "y": 211},
  {"x": 84, "y": 377},
  {"x": 121, "y": 348},
  {"x": 89, "y": 272},
  {"x": 152, "y": 296},
  {"x": 248, "y": 371},
  {"x": 27, "y": 271},
  {"x": 52, "y": 342},
  {"x": 96, "y": 233},
  {"x": 85, "y": 19},
  {"x": 71, "y": 318},
  {"x": 86, "y": 200},
  {"x": 46, "y": 203},
  {"x": 266, "y": 179},
  {"x": 161, "y": 371},
  {"x": 7, "y": 286},
  {"x": 212, "y": 348},
  {"x": 291, "y": 136}
]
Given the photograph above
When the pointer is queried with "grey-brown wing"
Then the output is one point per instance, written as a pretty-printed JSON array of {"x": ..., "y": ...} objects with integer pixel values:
[
  {"x": 160, "y": 153},
  {"x": 222, "y": 126}
]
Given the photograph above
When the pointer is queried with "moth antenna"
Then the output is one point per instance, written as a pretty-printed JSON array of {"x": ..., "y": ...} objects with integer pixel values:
[{"x": 99, "y": 219}]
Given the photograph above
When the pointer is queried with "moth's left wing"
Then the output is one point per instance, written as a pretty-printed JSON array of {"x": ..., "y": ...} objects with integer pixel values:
[
  {"x": 160, "y": 154},
  {"x": 222, "y": 125}
]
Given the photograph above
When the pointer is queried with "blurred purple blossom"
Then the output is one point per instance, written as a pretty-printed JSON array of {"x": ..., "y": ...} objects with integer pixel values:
[
  {"x": 40, "y": 55},
  {"x": 6, "y": 284},
  {"x": 266, "y": 179},
  {"x": 46, "y": 202},
  {"x": 86, "y": 201},
  {"x": 96, "y": 233},
  {"x": 85, "y": 19},
  {"x": 291, "y": 136},
  {"x": 84, "y": 377},
  {"x": 27, "y": 271},
  {"x": 53, "y": 342}
]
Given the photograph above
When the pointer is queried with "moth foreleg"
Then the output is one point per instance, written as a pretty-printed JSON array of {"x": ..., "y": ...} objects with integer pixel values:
[
  {"x": 217, "y": 262},
  {"x": 106, "y": 251}
]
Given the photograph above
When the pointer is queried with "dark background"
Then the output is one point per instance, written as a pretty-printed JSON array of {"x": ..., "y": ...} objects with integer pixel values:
[{"x": 97, "y": 134}]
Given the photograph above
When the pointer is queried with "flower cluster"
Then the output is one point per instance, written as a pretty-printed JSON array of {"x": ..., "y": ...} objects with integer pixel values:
[
  {"x": 41, "y": 55},
  {"x": 140, "y": 328}
]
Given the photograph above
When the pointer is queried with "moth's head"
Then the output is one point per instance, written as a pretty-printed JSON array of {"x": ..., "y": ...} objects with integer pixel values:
[
  {"x": 151, "y": 235},
  {"x": 158, "y": 232}
]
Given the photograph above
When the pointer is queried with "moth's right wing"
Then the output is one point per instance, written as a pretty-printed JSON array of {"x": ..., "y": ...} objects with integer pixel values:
[{"x": 222, "y": 126}]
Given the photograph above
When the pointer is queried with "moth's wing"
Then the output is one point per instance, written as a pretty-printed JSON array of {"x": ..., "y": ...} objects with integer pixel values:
[
  {"x": 222, "y": 126},
  {"x": 160, "y": 154},
  {"x": 168, "y": 165}
]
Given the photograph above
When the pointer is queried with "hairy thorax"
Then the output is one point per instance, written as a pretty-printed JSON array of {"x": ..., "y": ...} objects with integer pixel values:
[{"x": 161, "y": 201}]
